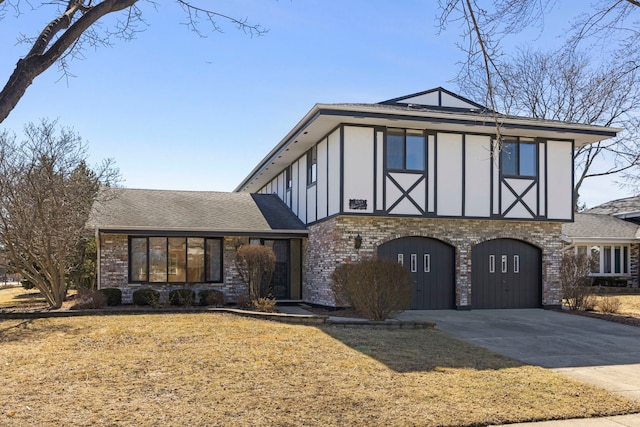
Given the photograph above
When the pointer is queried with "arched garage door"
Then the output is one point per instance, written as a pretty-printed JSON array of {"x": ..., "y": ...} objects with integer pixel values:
[
  {"x": 505, "y": 274},
  {"x": 431, "y": 264}
]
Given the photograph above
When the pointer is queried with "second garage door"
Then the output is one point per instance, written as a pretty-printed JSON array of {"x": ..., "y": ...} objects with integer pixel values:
[
  {"x": 431, "y": 264},
  {"x": 505, "y": 274}
]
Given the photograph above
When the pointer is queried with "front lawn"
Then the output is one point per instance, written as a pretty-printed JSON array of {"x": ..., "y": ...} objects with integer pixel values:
[{"x": 217, "y": 369}]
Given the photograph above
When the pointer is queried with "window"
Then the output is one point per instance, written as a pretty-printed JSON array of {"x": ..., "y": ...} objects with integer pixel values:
[
  {"x": 427, "y": 263},
  {"x": 516, "y": 263},
  {"x": 519, "y": 157},
  {"x": 401, "y": 259},
  {"x": 492, "y": 263},
  {"x": 312, "y": 165},
  {"x": 175, "y": 260},
  {"x": 504, "y": 263},
  {"x": 288, "y": 178},
  {"x": 405, "y": 149},
  {"x": 607, "y": 260},
  {"x": 414, "y": 263}
]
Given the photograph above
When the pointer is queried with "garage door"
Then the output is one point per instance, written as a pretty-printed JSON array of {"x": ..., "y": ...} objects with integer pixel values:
[
  {"x": 431, "y": 264},
  {"x": 505, "y": 274}
]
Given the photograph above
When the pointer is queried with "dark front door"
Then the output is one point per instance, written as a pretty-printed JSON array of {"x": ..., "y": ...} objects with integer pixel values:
[
  {"x": 432, "y": 267},
  {"x": 506, "y": 273},
  {"x": 280, "y": 278}
]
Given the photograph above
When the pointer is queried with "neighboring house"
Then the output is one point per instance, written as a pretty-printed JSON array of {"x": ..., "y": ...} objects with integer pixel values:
[
  {"x": 610, "y": 235},
  {"x": 418, "y": 179}
]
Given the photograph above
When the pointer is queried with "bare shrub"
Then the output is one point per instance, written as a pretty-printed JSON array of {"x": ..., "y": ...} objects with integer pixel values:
[
  {"x": 89, "y": 299},
  {"x": 609, "y": 304},
  {"x": 265, "y": 305},
  {"x": 212, "y": 297},
  {"x": 576, "y": 283},
  {"x": 256, "y": 264},
  {"x": 376, "y": 288},
  {"x": 244, "y": 301}
]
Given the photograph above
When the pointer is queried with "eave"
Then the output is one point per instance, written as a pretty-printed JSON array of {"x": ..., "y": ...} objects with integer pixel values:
[{"x": 323, "y": 118}]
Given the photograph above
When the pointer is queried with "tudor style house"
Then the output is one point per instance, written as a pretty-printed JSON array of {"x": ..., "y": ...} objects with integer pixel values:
[{"x": 420, "y": 179}]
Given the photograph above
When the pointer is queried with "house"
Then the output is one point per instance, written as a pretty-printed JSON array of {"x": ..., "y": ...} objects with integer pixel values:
[
  {"x": 419, "y": 179},
  {"x": 610, "y": 235}
]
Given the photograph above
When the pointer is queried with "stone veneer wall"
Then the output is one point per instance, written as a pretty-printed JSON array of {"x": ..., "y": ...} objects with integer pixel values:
[
  {"x": 331, "y": 242},
  {"x": 114, "y": 270}
]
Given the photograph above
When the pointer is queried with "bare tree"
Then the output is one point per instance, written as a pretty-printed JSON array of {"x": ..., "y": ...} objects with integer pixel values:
[
  {"x": 567, "y": 86},
  {"x": 46, "y": 194},
  {"x": 74, "y": 27},
  {"x": 563, "y": 85}
]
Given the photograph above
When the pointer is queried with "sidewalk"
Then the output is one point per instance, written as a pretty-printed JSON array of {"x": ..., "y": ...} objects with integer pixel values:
[{"x": 632, "y": 420}]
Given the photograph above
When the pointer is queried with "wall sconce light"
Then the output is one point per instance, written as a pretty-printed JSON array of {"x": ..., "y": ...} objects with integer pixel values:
[{"x": 357, "y": 241}]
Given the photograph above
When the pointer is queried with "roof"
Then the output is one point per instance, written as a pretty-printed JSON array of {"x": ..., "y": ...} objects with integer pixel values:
[
  {"x": 156, "y": 211},
  {"x": 589, "y": 227},
  {"x": 620, "y": 207},
  {"x": 436, "y": 109}
]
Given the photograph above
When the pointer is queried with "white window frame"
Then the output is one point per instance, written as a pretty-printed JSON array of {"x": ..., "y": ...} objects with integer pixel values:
[
  {"x": 612, "y": 263},
  {"x": 492, "y": 263},
  {"x": 427, "y": 263},
  {"x": 505, "y": 263},
  {"x": 516, "y": 263},
  {"x": 414, "y": 263},
  {"x": 401, "y": 259}
]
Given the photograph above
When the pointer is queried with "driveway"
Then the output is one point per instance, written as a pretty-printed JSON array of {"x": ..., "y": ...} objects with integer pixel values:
[{"x": 595, "y": 351}]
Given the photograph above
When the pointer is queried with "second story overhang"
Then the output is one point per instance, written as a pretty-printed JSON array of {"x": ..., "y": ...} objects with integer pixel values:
[{"x": 323, "y": 118}]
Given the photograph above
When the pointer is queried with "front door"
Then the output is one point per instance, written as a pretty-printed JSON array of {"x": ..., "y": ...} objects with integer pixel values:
[{"x": 280, "y": 278}]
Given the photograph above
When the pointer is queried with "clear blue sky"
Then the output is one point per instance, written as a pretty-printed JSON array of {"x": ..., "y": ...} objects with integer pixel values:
[{"x": 179, "y": 112}]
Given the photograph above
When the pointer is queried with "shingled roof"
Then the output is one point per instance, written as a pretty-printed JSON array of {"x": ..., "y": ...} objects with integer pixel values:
[
  {"x": 599, "y": 227},
  {"x": 139, "y": 210},
  {"x": 628, "y": 205}
]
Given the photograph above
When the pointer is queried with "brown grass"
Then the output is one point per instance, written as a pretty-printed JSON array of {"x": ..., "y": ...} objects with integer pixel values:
[
  {"x": 629, "y": 302},
  {"x": 216, "y": 369}
]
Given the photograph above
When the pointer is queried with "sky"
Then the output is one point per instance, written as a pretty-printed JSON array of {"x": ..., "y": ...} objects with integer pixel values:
[{"x": 176, "y": 111}]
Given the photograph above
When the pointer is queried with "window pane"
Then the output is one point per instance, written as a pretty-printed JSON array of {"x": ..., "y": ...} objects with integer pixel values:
[
  {"x": 617, "y": 253},
  {"x": 606, "y": 259},
  {"x": 509, "y": 156},
  {"x": 138, "y": 259},
  {"x": 195, "y": 259},
  {"x": 625, "y": 259},
  {"x": 595, "y": 258},
  {"x": 527, "y": 159},
  {"x": 582, "y": 251},
  {"x": 214, "y": 260},
  {"x": 157, "y": 259},
  {"x": 395, "y": 149},
  {"x": 415, "y": 150},
  {"x": 312, "y": 160}
]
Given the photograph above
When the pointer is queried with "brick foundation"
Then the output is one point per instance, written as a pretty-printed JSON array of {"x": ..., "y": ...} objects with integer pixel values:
[{"x": 331, "y": 243}]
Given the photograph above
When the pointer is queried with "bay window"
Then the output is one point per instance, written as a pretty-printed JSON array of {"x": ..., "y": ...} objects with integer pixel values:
[{"x": 175, "y": 259}]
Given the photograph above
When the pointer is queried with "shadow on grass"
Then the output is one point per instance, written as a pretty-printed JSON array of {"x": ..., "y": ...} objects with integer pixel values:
[
  {"x": 419, "y": 350},
  {"x": 31, "y": 329}
]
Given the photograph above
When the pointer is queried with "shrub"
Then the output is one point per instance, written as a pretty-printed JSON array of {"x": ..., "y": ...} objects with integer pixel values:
[
  {"x": 256, "y": 264},
  {"x": 608, "y": 304},
  {"x": 88, "y": 299},
  {"x": 27, "y": 284},
  {"x": 146, "y": 297},
  {"x": 376, "y": 288},
  {"x": 576, "y": 283},
  {"x": 244, "y": 301},
  {"x": 265, "y": 305},
  {"x": 211, "y": 297},
  {"x": 113, "y": 295},
  {"x": 182, "y": 297}
]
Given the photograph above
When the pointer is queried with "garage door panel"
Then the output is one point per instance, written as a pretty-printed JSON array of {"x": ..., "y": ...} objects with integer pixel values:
[
  {"x": 506, "y": 273},
  {"x": 431, "y": 265}
]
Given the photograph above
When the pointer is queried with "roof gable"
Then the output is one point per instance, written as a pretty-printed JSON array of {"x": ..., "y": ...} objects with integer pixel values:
[{"x": 436, "y": 98}]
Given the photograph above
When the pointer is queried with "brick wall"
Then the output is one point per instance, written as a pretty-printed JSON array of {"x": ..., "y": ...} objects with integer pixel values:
[
  {"x": 331, "y": 243},
  {"x": 114, "y": 270}
]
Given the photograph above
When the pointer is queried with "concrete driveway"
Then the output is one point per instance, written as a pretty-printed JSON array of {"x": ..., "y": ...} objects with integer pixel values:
[{"x": 595, "y": 351}]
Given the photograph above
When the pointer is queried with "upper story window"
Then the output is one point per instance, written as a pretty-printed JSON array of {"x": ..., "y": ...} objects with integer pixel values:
[
  {"x": 288, "y": 178},
  {"x": 175, "y": 259},
  {"x": 405, "y": 149},
  {"x": 519, "y": 157},
  {"x": 312, "y": 165}
]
